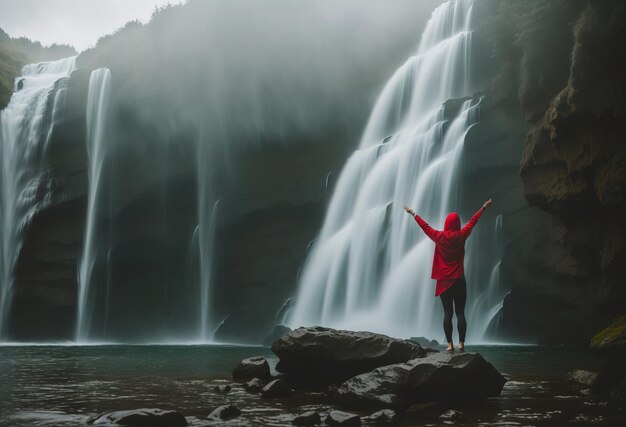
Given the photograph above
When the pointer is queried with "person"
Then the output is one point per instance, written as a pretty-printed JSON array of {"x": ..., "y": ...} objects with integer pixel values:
[{"x": 448, "y": 268}]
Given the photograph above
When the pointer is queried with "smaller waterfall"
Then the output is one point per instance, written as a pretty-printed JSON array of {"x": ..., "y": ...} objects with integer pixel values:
[
  {"x": 98, "y": 97},
  {"x": 206, "y": 278},
  {"x": 26, "y": 126},
  {"x": 488, "y": 304}
]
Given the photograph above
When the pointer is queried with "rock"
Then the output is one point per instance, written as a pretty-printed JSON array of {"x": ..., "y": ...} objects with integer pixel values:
[
  {"x": 383, "y": 416},
  {"x": 317, "y": 355},
  {"x": 452, "y": 417},
  {"x": 276, "y": 388},
  {"x": 422, "y": 341},
  {"x": 340, "y": 418},
  {"x": 20, "y": 84},
  {"x": 254, "y": 385},
  {"x": 611, "y": 341},
  {"x": 149, "y": 417},
  {"x": 223, "y": 388},
  {"x": 252, "y": 367},
  {"x": 225, "y": 412},
  {"x": 279, "y": 331},
  {"x": 582, "y": 377},
  {"x": 437, "y": 377},
  {"x": 308, "y": 418}
]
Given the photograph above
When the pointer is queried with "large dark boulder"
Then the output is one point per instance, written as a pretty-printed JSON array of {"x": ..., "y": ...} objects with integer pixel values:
[
  {"x": 317, "y": 355},
  {"x": 437, "y": 377},
  {"x": 252, "y": 367},
  {"x": 148, "y": 417}
]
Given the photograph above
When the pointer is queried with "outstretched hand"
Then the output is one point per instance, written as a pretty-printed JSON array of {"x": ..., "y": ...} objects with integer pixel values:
[
  {"x": 488, "y": 204},
  {"x": 409, "y": 210}
]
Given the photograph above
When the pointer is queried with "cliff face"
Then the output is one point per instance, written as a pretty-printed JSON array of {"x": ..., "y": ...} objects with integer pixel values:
[{"x": 563, "y": 63}]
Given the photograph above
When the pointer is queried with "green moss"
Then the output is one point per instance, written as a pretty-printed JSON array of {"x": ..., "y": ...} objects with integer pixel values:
[{"x": 612, "y": 337}]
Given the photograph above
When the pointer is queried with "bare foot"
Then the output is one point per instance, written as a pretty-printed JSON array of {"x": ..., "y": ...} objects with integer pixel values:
[
  {"x": 450, "y": 347},
  {"x": 461, "y": 346}
]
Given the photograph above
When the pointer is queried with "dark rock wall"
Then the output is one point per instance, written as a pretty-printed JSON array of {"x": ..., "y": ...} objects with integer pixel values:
[{"x": 563, "y": 64}]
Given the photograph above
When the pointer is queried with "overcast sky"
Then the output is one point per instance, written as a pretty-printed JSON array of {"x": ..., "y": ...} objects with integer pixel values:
[{"x": 76, "y": 22}]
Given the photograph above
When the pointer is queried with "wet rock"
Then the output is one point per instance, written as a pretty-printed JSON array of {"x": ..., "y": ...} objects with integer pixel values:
[
  {"x": 340, "y": 418},
  {"x": 152, "y": 417},
  {"x": 276, "y": 388},
  {"x": 225, "y": 412},
  {"x": 308, "y": 418},
  {"x": 424, "y": 342},
  {"x": 20, "y": 84},
  {"x": 317, "y": 355},
  {"x": 252, "y": 367},
  {"x": 279, "y": 331},
  {"x": 611, "y": 341},
  {"x": 255, "y": 385},
  {"x": 582, "y": 377},
  {"x": 223, "y": 388},
  {"x": 437, "y": 377},
  {"x": 383, "y": 416},
  {"x": 452, "y": 417}
]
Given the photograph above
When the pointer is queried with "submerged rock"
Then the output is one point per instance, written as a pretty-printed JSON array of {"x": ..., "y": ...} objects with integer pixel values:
[
  {"x": 255, "y": 385},
  {"x": 223, "y": 388},
  {"x": 276, "y": 388},
  {"x": 452, "y": 417},
  {"x": 317, "y": 355},
  {"x": 152, "y": 417},
  {"x": 437, "y": 377},
  {"x": 252, "y": 367},
  {"x": 582, "y": 377},
  {"x": 383, "y": 416},
  {"x": 279, "y": 331},
  {"x": 340, "y": 418},
  {"x": 308, "y": 418},
  {"x": 225, "y": 412}
]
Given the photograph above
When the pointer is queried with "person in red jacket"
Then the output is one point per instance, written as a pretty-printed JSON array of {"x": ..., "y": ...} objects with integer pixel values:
[{"x": 448, "y": 268}]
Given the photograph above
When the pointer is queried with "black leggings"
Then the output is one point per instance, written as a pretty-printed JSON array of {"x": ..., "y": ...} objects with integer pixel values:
[{"x": 455, "y": 293}]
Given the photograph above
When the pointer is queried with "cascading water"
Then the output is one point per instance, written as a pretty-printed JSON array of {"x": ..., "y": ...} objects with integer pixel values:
[
  {"x": 26, "y": 125},
  {"x": 98, "y": 97},
  {"x": 206, "y": 279},
  {"x": 370, "y": 267}
]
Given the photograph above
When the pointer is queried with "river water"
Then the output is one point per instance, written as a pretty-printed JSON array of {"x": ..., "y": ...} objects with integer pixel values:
[{"x": 65, "y": 385}]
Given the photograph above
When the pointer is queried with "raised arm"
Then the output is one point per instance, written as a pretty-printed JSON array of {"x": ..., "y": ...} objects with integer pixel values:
[
  {"x": 428, "y": 230},
  {"x": 465, "y": 231}
]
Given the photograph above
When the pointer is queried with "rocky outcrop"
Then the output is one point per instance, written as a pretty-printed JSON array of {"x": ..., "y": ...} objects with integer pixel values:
[
  {"x": 141, "y": 418},
  {"x": 252, "y": 367},
  {"x": 317, "y": 355},
  {"x": 437, "y": 377}
]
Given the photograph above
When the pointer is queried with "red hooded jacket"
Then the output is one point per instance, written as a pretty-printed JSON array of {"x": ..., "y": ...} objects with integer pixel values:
[{"x": 449, "y": 248}]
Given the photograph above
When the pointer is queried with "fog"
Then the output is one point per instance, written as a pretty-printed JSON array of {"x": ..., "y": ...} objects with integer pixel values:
[{"x": 249, "y": 70}]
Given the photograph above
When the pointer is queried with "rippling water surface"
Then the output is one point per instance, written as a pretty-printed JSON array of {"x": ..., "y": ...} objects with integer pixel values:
[{"x": 66, "y": 385}]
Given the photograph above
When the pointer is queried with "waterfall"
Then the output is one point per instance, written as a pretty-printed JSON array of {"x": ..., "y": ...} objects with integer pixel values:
[
  {"x": 370, "y": 266},
  {"x": 98, "y": 96},
  {"x": 26, "y": 125},
  {"x": 206, "y": 278}
]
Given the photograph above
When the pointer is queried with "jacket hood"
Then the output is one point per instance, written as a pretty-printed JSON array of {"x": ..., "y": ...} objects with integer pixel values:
[{"x": 453, "y": 222}]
